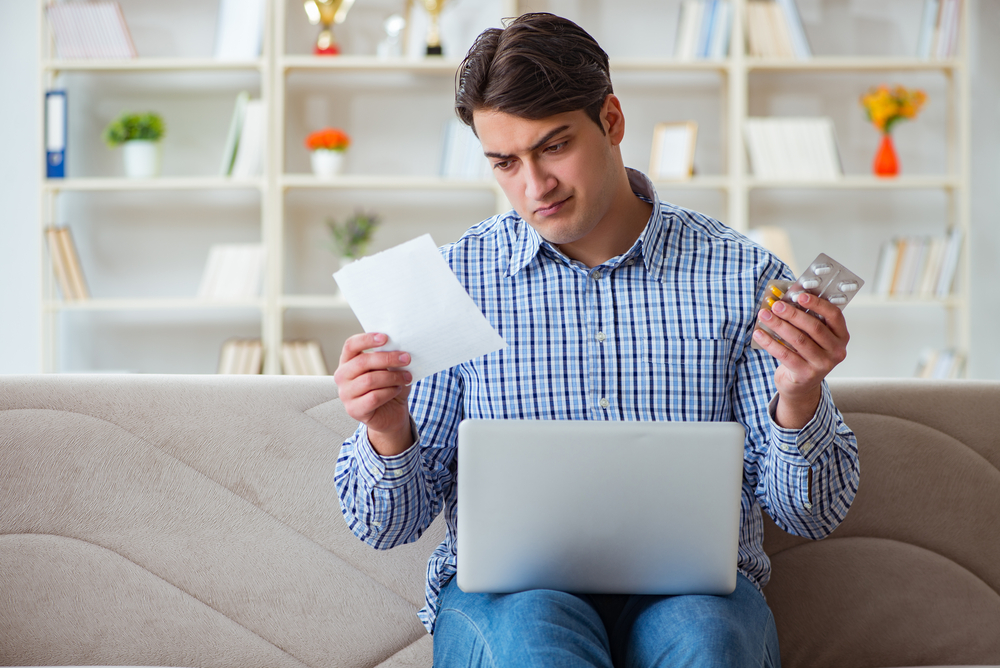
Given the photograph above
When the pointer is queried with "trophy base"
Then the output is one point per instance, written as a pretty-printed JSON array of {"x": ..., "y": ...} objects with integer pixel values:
[
  {"x": 434, "y": 50},
  {"x": 332, "y": 50}
]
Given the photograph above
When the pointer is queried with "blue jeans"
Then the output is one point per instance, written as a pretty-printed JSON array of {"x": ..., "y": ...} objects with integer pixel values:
[{"x": 550, "y": 629}]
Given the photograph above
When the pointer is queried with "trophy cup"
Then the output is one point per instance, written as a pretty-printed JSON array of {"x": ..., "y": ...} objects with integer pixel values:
[
  {"x": 326, "y": 13},
  {"x": 433, "y": 8}
]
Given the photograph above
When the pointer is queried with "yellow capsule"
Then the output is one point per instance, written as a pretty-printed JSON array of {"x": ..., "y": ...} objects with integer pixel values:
[
  {"x": 776, "y": 292},
  {"x": 770, "y": 301}
]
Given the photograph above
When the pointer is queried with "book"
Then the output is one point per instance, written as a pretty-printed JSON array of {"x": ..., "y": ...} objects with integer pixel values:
[
  {"x": 66, "y": 264},
  {"x": 462, "y": 153},
  {"x": 703, "y": 29},
  {"x": 949, "y": 264},
  {"x": 241, "y": 356},
  {"x": 796, "y": 31},
  {"x": 55, "y": 134},
  {"x": 928, "y": 20},
  {"x": 250, "y": 145},
  {"x": 239, "y": 29},
  {"x": 233, "y": 272},
  {"x": 793, "y": 149},
  {"x": 233, "y": 136},
  {"x": 90, "y": 30},
  {"x": 59, "y": 264},
  {"x": 688, "y": 24},
  {"x": 303, "y": 358}
]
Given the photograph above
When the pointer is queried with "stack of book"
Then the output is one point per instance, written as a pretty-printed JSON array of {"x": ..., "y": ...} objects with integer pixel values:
[
  {"x": 794, "y": 149},
  {"x": 940, "y": 364},
  {"x": 233, "y": 272},
  {"x": 918, "y": 266},
  {"x": 774, "y": 30},
  {"x": 703, "y": 29},
  {"x": 939, "y": 28},
  {"x": 241, "y": 356},
  {"x": 462, "y": 154},
  {"x": 66, "y": 264},
  {"x": 90, "y": 30},
  {"x": 303, "y": 358}
]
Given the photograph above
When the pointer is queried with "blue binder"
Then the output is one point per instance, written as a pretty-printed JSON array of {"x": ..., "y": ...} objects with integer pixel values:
[{"x": 55, "y": 134}]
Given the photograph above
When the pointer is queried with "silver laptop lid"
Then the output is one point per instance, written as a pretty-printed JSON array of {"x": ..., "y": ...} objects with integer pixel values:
[{"x": 599, "y": 507}]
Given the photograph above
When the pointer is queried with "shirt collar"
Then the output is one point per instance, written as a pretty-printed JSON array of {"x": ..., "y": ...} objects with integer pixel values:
[{"x": 528, "y": 242}]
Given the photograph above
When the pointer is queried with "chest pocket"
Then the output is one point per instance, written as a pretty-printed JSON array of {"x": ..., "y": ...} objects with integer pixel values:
[{"x": 693, "y": 377}]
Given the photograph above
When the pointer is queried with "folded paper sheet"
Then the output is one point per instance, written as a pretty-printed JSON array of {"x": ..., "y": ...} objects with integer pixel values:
[{"x": 411, "y": 294}]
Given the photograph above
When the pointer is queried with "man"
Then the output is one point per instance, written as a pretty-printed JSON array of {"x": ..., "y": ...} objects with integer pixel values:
[{"x": 614, "y": 306}]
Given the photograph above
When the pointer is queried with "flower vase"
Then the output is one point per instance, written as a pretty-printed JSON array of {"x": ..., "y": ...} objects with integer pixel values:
[
  {"x": 326, "y": 163},
  {"x": 886, "y": 163},
  {"x": 141, "y": 158}
]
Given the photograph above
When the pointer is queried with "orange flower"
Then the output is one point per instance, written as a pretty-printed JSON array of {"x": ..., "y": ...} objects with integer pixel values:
[
  {"x": 886, "y": 107},
  {"x": 333, "y": 139}
]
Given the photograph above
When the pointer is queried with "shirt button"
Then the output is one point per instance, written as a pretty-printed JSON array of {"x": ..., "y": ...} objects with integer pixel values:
[
  {"x": 600, "y": 337},
  {"x": 807, "y": 505},
  {"x": 597, "y": 275},
  {"x": 805, "y": 447},
  {"x": 604, "y": 402}
]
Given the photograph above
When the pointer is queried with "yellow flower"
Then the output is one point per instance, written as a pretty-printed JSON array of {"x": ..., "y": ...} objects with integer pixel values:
[{"x": 886, "y": 107}]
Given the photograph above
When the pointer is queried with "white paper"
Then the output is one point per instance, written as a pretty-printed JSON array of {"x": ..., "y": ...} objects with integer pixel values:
[{"x": 410, "y": 294}]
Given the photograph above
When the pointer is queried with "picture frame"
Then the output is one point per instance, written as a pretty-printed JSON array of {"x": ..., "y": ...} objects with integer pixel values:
[{"x": 672, "y": 155}]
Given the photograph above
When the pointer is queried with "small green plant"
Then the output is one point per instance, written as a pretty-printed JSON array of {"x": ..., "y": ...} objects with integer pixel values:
[
  {"x": 350, "y": 238},
  {"x": 128, "y": 126}
]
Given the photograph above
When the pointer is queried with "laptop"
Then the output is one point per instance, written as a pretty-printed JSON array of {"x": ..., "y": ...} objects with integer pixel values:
[{"x": 599, "y": 507}]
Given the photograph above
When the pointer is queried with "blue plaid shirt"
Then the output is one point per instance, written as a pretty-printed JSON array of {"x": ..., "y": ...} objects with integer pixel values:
[{"x": 661, "y": 332}]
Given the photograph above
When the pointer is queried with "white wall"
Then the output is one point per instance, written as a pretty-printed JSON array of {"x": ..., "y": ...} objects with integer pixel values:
[
  {"x": 860, "y": 27},
  {"x": 19, "y": 165}
]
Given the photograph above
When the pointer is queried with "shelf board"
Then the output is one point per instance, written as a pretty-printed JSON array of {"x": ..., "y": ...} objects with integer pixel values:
[
  {"x": 158, "y": 183},
  {"x": 151, "y": 65},
  {"x": 430, "y": 65},
  {"x": 850, "y": 64},
  {"x": 861, "y": 182},
  {"x": 712, "y": 182},
  {"x": 667, "y": 65},
  {"x": 153, "y": 304},
  {"x": 868, "y": 301},
  {"x": 363, "y": 182},
  {"x": 334, "y": 302}
]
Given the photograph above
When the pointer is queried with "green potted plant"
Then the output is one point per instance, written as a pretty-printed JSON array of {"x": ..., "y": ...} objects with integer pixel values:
[
  {"x": 139, "y": 136},
  {"x": 349, "y": 239}
]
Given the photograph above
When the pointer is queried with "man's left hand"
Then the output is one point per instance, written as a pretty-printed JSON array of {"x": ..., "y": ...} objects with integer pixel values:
[{"x": 819, "y": 346}]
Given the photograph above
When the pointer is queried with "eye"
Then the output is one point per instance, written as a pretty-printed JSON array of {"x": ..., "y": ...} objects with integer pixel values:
[
  {"x": 502, "y": 165},
  {"x": 555, "y": 148}
]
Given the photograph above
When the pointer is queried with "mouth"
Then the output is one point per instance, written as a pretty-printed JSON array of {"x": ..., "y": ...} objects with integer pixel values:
[{"x": 551, "y": 209}]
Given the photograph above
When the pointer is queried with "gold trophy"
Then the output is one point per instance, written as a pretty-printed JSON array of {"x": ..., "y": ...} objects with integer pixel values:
[
  {"x": 433, "y": 8},
  {"x": 326, "y": 13}
]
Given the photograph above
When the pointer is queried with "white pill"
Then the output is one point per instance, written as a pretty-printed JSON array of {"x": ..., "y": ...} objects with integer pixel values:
[
  {"x": 848, "y": 286},
  {"x": 822, "y": 269},
  {"x": 838, "y": 299},
  {"x": 811, "y": 284},
  {"x": 794, "y": 296}
]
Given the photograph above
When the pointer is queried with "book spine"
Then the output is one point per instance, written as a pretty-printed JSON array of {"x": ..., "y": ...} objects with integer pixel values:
[{"x": 55, "y": 134}]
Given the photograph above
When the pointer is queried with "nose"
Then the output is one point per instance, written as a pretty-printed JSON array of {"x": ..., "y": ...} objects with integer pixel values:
[{"x": 538, "y": 182}]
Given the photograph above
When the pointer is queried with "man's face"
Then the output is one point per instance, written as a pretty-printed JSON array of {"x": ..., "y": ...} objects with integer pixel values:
[{"x": 557, "y": 172}]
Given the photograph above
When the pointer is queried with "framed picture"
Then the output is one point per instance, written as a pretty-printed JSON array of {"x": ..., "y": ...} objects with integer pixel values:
[{"x": 672, "y": 157}]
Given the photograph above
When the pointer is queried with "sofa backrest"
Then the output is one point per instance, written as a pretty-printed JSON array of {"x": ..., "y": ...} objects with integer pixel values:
[
  {"x": 190, "y": 521},
  {"x": 912, "y": 576}
]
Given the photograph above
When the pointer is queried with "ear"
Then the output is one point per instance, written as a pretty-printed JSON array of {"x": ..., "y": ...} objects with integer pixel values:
[{"x": 613, "y": 119}]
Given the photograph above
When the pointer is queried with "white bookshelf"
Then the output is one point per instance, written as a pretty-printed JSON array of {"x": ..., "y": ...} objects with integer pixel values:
[{"x": 286, "y": 194}]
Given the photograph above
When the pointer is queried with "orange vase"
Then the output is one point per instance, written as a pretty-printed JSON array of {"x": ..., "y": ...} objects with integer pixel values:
[{"x": 886, "y": 163}]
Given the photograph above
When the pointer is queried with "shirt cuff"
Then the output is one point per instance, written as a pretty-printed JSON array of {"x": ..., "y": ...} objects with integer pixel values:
[
  {"x": 386, "y": 472},
  {"x": 810, "y": 441}
]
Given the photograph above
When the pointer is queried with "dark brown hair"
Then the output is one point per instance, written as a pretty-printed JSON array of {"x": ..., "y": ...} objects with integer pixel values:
[{"x": 537, "y": 66}]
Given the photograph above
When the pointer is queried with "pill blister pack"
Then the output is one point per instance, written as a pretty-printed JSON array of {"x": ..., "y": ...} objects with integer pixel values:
[{"x": 825, "y": 277}]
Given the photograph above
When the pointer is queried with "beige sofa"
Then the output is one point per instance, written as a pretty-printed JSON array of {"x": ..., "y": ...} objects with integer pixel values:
[{"x": 192, "y": 521}]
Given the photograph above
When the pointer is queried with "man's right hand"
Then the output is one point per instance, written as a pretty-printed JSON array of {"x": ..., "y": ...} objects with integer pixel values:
[{"x": 374, "y": 388}]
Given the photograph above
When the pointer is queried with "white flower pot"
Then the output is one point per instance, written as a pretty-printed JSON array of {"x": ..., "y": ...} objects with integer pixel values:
[
  {"x": 142, "y": 158},
  {"x": 327, "y": 163}
]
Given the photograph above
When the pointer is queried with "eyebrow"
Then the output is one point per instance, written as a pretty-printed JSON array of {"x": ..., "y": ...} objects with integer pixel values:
[{"x": 541, "y": 142}]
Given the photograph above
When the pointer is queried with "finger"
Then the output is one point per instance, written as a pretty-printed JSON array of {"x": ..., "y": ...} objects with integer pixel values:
[
  {"x": 379, "y": 380},
  {"x": 802, "y": 324},
  {"x": 365, "y": 363},
  {"x": 831, "y": 313},
  {"x": 364, "y": 407},
  {"x": 776, "y": 349},
  {"x": 359, "y": 343},
  {"x": 788, "y": 323}
]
